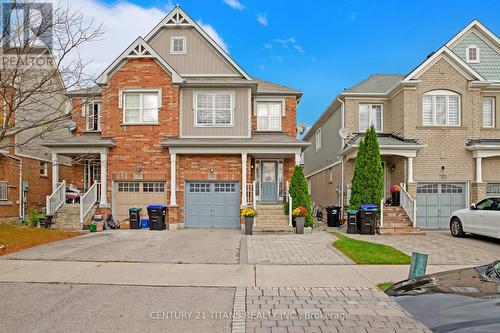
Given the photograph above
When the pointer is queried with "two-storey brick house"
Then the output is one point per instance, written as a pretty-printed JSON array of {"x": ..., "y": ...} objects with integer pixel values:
[
  {"x": 174, "y": 120},
  {"x": 439, "y": 131}
]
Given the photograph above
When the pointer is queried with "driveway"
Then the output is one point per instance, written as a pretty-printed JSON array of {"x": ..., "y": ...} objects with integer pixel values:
[
  {"x": 442, "y": 248},
  {"x": 214, "y": 246}
]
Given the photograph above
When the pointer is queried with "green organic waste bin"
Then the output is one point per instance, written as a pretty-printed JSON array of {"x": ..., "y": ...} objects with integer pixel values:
[{"x": 93, "y": 227}]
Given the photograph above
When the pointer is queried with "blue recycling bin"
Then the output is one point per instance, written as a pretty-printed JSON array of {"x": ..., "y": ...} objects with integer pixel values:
[{"x": 144, "y": 223}]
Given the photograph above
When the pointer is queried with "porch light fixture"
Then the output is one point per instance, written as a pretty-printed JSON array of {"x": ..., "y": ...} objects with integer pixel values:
[
  {"x": 212, "y": 170},
  {"x": 138, "y": 167},
  {"x": 393, "y": 167}
]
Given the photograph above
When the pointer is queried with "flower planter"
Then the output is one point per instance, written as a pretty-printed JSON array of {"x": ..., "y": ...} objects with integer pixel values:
[
  {"x": 395, "y": 198},
  {"x": 248, "y": 225},
  {"x": 299, "y": 222}
]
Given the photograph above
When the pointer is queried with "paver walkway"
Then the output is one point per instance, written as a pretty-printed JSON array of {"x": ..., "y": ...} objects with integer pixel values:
[
  {"x": 442, "y": 248},
  {"x": 308, "y": 249},
  {"x": 348, "y": 309}
]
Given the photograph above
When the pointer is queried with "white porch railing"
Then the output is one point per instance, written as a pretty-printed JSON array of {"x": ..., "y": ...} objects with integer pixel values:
[
  {"x": 56, "y": 199},
  {"x": 408, "y": 204},
  {"x": 252, "y": 199},
  {"x": 88, "y": 200},
  {"x": 290, "y": 204},
  {"x": 382, "y": 212}
]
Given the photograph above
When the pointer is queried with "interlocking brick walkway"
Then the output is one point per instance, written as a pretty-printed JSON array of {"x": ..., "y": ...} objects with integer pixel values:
[
  {"x": 313, "y": 249},
  {"x": 290, "y": 310},
  {"x": 442, "y": 248}
]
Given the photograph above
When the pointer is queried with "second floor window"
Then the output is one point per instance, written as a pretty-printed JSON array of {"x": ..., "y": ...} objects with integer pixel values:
[
  {"x": 213, "y": 109},
  {"x": 318, "y": 139},
  {"x": 140, "y": 108},
  {"x": 370, "y": 114},
  {"x": 93, "y": 117},
  {"x": 441, "y": 108},
  {"x": 44, "y": 169},
  {"x": 489, "y": 112},
  {"x": 472, "y": 54},
  {"x": 269, "y": 116}
]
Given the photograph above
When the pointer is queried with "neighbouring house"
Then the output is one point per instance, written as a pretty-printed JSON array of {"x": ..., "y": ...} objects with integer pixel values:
[
  {"x": 439, "y": 133},
  {"x": 174, "y": 120}
]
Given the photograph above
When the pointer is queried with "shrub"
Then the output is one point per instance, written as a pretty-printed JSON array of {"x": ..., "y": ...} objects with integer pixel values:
[
  {"x": 300, "y": 194},
  {"x": 33, "y": 218}
]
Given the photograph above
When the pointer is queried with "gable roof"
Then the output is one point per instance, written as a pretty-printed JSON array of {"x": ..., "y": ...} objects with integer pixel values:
[
  {"x": 266, "y": 87},
  {"x": 178, "y": 17},
  {"x": 478, "y": 25},
  {"x": 138, "y": 49},
  {"x": 376, "y": 84}
]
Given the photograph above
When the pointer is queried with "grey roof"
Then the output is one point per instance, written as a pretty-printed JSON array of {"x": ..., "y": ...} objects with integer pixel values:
[
  {"x": 257, "y": 139},
  {"x": 84, "y": 140},
  {"x": 269, "y": 87},
  {"x": 95, "y": 90},
  {"x": 384, "y": 140},
  {"x": 376, "y": 84}
]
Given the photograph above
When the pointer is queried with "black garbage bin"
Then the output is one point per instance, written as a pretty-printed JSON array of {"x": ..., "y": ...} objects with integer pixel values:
[
  {"x": 134, "y": 216},
  {"x": 157, "y": 217},
  {"x": 333, "y": 216},
  {"x": 352, "y": 224},
  {"x": 367, "y": 219}
]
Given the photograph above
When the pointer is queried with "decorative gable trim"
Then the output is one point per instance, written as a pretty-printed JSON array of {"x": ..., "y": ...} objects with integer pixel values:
[
  {"x": 451, "y": 58},
  {"x": 138, "y": 49},
  {"x": 178, "y": 17}
]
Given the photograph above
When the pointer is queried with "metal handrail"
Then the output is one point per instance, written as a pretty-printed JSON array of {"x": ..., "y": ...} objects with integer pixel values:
[
  {"x": 409, "y": 205},
  {"x": 56, "y": 199},
  {"x": 290, "y": 204},
  {"x": 88, "y": 200}
]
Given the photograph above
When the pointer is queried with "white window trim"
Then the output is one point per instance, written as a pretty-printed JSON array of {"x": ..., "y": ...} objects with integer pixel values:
[
  {"x": 45, "y": 169},
  {"x": 370, "y": 105},
  {"x": 213, "y": 92},
  {"x": 467, "y": 54},
  {"x": 446, "y": 93},
  {"x": 122, "y": 94},
  {"x": 317, "y": 138},
  {"x": 493, "y": 112},
  {"x": 172, "y": 44},
  {"x": 5, "y": 191},
  {"x": 270, "y": 100},
  {"x": 88, "y": 108}
]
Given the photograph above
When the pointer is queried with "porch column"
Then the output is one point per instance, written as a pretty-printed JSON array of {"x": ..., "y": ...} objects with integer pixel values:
[
  {"x": 104, "y": 180},
  {"x": 244, "y": 200},
  {"x": 55, "y": 171},
  {"x": 173, "y": 180},
  {"x": 479, "y": 173},
  {"x": 297, "y": 159},
  {"x": 410, "y": 169}
]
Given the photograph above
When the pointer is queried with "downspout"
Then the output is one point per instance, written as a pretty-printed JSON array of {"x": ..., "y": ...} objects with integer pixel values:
[{"x": 342, "y": 123}]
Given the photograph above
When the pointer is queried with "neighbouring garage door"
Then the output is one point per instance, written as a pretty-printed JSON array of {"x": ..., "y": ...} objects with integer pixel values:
[
  {"x": 492, "y": 189},
  {"x": 139, "y": 195},
  {"x": 436, "y": 202},
  {"x": 212, "y": 205}
]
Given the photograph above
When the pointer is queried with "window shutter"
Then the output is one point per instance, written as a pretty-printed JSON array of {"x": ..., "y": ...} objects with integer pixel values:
[
  {"x": 120, "y": 99},
  {"x": 160, "y": 99}
]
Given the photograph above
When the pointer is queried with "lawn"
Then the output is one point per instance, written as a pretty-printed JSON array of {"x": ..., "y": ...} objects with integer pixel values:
[
  {"x": 384, "y": 285},
  {"x": 367, "y": 253},
  {"x": 15, "y": 237}
]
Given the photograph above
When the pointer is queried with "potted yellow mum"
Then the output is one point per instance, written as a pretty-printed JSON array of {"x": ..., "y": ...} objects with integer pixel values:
[
  {"x": 299, "y": 213},
  {"x": 249, "y": 215}
]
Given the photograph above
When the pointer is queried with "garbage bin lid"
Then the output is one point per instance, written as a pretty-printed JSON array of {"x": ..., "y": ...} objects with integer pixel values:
[
  {"x": 134, "y": 209},
  {"x": 352, "y": 211},
  {"x": 368, "y": 207},
  {"x": 156, "y": 207}
]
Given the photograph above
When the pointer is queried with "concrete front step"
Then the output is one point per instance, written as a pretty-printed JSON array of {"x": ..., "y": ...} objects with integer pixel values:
[{"x": 400, "y": 231}]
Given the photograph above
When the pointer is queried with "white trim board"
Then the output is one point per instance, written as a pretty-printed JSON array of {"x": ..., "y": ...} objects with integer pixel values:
[
  {"x": 174, "y": 15},
  {"x": 325, "y": 168}
]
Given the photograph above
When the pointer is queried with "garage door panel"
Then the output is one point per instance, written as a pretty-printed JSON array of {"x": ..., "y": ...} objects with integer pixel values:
[
  {"x": 138, "y": 195},
  {"x": 212, "y": 205},
  {"x": 436, "y": 202}
]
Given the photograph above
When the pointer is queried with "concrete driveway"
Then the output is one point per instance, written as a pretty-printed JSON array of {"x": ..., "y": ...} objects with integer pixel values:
[
  {"x": 442, "y": 248},
  {"x": 213, "y": 246}
]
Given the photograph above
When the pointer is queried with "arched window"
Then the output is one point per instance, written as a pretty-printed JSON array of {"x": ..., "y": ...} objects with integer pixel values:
[
  {"x": 472, "y": 54},
  {"x": 441, "y": 108}
]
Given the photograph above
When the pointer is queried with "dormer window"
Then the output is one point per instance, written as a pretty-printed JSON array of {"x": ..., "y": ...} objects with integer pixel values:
[
  {"x": 472, "y": 54},
  {"x": 178, "y": 45}
]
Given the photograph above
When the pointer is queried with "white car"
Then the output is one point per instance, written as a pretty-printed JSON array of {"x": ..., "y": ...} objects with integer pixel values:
[{"x": 482, "y": 218}]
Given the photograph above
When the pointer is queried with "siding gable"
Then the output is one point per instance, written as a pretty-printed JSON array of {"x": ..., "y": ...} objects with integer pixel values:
[{"x": 489, "y": 58}]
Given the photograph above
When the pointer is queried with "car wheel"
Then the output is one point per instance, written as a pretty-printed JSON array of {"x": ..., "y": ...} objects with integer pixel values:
[{"x": 456, "y": 227}]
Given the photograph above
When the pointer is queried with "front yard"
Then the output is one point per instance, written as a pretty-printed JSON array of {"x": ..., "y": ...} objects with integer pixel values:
[
  {"x": 15, "y": 237},
  {"x": 367, "y": 253}
]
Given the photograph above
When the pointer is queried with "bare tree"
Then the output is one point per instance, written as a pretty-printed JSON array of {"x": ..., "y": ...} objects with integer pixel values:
[{"x": 40, "y": 62}]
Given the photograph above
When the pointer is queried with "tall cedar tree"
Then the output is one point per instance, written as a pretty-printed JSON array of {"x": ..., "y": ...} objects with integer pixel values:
[
  {"x": 368, "y": 180},
  {"x": 300, "y": 194}
]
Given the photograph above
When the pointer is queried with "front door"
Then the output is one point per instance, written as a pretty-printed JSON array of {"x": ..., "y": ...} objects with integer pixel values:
[{"x": 269, "y": 181}]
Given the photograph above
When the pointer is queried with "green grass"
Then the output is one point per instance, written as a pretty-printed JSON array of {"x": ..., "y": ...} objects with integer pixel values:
[
  {"x": 367, "y": 253},
  {"x": 384, "y": 285}
]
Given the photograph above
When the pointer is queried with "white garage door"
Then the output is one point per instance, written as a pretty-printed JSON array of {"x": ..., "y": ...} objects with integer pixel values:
[
  {"x": 138, "y": 195},
  {"x": 436, "y": 202},
  {"x": 212, "y": 205}
]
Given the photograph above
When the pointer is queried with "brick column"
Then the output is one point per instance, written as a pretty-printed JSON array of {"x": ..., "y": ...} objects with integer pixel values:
[{"x": 478, "y": 192}]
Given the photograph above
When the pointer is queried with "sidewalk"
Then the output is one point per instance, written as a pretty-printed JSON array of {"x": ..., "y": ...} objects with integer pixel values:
[{"x": 202, "y": 275}]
